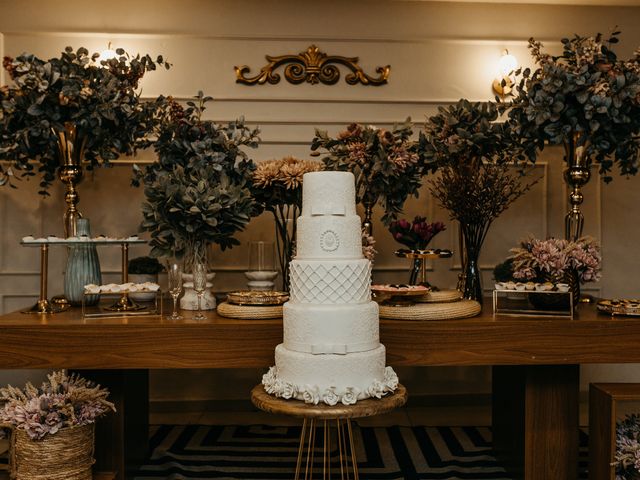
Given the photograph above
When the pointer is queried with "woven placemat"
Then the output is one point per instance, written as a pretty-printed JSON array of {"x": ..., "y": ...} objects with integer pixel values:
[
  {"x": 432, "y": 311},
  {"x": 247, "y": 312},
  {"x": 441, "y": 296}
]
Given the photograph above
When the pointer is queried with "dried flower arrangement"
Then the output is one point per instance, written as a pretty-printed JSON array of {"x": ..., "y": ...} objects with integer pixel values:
[
  {"x": 198, "y": 191},
  {"x": 417, "y": 234},
  {"x": 627, "y": 457},
  {"x": 535, "y": 259},
  {"x": 62, "y": 401},
  {"x": 277, "y": 188},
  {"x": 586, "y": 97},
  {"x": 99, "y": 97},
  {"x": 475, "y": 156},
  {"x": 385, "y": 163}
]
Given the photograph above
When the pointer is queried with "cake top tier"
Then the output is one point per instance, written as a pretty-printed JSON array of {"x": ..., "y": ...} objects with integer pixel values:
[{"x": 328, "y": 193}]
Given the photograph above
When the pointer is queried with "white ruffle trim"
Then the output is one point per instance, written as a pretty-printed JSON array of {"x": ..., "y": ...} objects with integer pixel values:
[{"x": 331, "y": 396}]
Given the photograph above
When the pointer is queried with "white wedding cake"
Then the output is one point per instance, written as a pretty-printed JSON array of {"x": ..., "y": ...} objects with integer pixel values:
[{"x": 331, "y": 351}]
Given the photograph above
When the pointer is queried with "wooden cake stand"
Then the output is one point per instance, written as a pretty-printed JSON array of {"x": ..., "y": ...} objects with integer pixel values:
[{"x": 338, "y": 415}]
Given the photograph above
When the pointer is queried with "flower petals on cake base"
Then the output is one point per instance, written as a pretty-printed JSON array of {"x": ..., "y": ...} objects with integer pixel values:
[{"x": 332, "y": 395}]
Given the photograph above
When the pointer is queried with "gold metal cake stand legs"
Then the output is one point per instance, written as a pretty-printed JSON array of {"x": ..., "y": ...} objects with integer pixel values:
[
  {"x": 124, "y": 303},
  {"x": 346, "y": 451},
  {"x": 43, "y": 305}
]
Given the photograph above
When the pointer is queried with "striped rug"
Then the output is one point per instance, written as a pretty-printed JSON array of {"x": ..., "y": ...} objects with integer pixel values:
[{"x": 263, "y": 452}]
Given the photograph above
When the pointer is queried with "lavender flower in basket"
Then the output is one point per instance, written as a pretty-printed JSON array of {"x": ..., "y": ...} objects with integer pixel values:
[{"x": 62, "y": 401}]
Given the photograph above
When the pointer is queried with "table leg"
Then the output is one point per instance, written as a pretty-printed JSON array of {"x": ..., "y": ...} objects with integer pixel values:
[
  {"x": 122, "y": 438},
  {"x": 535, "y": 420}
]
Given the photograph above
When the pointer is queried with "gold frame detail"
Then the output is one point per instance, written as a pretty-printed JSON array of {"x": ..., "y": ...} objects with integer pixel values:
[{"x": 312, "y": 66}]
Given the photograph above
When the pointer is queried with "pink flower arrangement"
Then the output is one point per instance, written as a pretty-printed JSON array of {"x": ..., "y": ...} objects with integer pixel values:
[
  {"x": 415, "y": 235},
  {"x": 553, "y": 256},
  {"x": 62, "y": 401}
]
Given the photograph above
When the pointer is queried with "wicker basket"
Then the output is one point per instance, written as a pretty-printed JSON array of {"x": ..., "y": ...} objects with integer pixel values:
[{"x": 67, "y": 455}]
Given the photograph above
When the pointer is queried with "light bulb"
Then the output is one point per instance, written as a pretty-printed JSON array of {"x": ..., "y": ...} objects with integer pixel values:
[{"x": 507, "y": 65}]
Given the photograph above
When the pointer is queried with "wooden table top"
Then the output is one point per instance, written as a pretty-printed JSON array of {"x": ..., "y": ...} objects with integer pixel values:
[{"x": 66, "y": 340}]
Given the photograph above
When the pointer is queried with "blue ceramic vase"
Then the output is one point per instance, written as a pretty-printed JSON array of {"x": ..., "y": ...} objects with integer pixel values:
[{"x": 83, "y": 268}]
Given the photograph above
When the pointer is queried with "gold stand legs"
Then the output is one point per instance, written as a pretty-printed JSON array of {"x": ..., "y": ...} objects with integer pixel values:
[
  {"x": 343, "y": 432},
  {"x": 124, "y": 303},
  {"x": 43, "y": 305}
]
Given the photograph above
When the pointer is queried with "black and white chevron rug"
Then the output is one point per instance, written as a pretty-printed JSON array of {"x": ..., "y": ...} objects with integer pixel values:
[{"x": 261, "y": 452}]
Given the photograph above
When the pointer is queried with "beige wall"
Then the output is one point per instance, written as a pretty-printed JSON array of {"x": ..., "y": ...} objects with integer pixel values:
[{"x": 438, "y": 52}]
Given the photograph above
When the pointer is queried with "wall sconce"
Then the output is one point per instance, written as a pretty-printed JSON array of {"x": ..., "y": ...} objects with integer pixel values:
[{"x": 503, "y": 82}]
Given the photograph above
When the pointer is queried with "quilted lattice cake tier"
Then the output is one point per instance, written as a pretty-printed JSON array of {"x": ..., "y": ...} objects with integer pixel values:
[{"x": 332, "y": 282}]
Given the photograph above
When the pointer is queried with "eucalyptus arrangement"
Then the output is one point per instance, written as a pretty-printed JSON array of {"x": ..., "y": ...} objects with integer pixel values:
[
  {"x": 62, "y": 401},
  {"x": 198, "y": 192},
  {"x": 385, "y": 163},
  {"x": 627, "y": 455},
  {"x": 98, "y": 99},
  {"x": 586, "y": 99},
  {"x": 277, "y": 188},
  {"x": 478, "y": 181}
]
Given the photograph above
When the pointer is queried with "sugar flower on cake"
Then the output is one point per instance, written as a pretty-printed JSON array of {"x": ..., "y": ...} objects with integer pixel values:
[
  {"x": 390, "y": 379},
  {"x": 350, "y": 395},
  {"x": 310, "y": 394},
  {"x": 376, "y": 389},
  {"x": 330, "y": 397},
  {"x": 288, "y": 390},
  {"x": 269, "y": 381}
]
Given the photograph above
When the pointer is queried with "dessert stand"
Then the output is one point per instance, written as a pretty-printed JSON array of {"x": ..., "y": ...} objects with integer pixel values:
[
  {"x": 325, "y": 417},
  {"x": 44, "y": 306},
  {"x": 423, "y": 256}
]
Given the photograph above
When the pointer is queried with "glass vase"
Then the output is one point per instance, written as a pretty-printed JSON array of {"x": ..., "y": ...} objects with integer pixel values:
[
  {"x": 83, "y": 268},
  {"x": 472, "y": 241},
  {"x": 285, "y": 220}
]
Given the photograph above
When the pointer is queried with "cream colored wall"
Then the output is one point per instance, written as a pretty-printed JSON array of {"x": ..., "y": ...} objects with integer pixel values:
[{"x": 438, "y": 52}]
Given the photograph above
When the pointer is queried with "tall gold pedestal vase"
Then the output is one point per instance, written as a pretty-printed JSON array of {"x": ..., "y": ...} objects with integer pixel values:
[
  {"x": 576, "y": 175},
  {"x": 71, "y": 149}
]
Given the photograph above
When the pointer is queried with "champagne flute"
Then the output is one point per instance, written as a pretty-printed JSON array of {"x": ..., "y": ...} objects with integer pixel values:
[
  {"x": 199, "y": 285},
  {"x": 174, "y": 273}
]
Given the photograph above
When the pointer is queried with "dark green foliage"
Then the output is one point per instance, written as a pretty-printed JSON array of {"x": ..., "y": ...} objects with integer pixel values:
[{"x": 101, "y": 99}]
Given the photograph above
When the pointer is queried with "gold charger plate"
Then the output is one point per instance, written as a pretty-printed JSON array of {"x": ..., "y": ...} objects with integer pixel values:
[{"x": 257, "y": 298}]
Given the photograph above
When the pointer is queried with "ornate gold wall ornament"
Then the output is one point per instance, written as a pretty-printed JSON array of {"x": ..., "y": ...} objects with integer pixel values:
[{"x": 312, "y": 66}]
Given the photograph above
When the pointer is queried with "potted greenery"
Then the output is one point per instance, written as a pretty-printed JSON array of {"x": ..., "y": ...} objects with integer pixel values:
[
  {"x": 197, "y": 193},
  {"x": 586, "y": 99},
  {"x": 141, "y": 270},
  {"x": 385, "y": 163},
  {"x": 474, "y": 155},
  {"x": 70, "y": 110},
  {"x": 53, "y": 426}
]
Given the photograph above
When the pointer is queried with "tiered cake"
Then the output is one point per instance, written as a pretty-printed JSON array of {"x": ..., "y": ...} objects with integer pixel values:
[{"x": 331, "y": 351}]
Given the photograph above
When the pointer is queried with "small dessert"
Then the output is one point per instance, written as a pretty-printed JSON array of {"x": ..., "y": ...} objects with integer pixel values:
[
  {"x": 510, "y": 285},
  {"x": 28, "y": 238},
  {"x": 529, "y": 286},
  {"x": 92, "y": 288},
  {"x": 499, "y": 285},
  {"x": 520, "y": 287},
  {"x": 562, "y": 287},
  {"x": 547, "y": 287},
  {"x": 41, "y": 240}
]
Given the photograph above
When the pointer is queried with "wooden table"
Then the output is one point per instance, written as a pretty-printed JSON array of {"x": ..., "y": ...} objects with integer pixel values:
[{"x": 535, "y": 365}]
